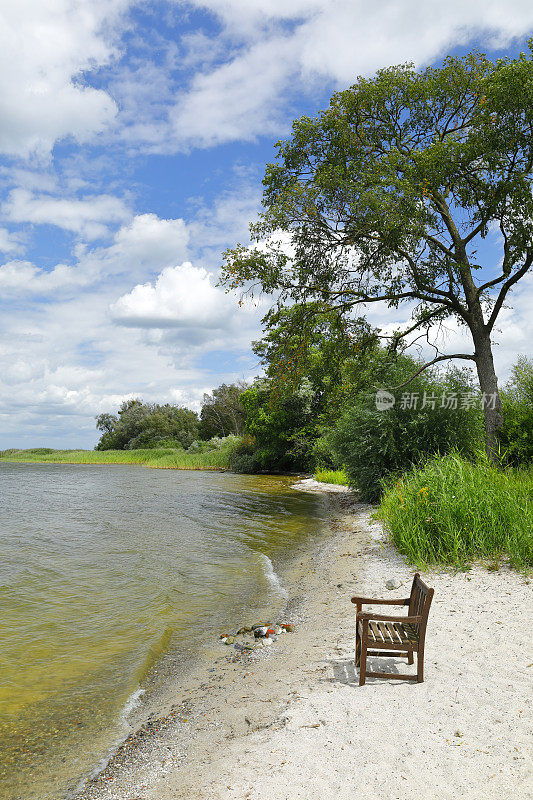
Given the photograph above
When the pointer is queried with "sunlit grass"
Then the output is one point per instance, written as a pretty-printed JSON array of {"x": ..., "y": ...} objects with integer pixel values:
[
  {"x": 337, "y": 476},
  {"x": 452, "y": 511},
  {"x": 159, "y": 458}
]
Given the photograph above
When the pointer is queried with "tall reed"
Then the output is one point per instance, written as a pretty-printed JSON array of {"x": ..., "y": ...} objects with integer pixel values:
[
  {"x": 453, "y": 511},
  {"x": 158, "y": 458}
]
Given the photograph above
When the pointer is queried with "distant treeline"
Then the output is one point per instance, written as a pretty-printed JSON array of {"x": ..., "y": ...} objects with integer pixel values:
[{"x": 147, "y": 425}]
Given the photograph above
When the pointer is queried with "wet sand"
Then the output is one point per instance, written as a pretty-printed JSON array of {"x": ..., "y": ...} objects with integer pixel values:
[{"x": 289, "y": 720}]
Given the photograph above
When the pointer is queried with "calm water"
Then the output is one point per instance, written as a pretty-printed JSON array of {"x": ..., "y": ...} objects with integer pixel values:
[{"x": 102, "y": 570}]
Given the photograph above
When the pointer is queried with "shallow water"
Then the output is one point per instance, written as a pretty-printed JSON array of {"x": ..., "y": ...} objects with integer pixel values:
[{"x": 103, "y": 569}]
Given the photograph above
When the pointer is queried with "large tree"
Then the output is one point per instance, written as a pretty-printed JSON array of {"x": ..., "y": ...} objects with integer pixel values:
[{"x": 385, "y": 195}]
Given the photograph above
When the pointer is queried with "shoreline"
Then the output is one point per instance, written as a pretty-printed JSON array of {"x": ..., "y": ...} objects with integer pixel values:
[{"x": 290, "y": 721}]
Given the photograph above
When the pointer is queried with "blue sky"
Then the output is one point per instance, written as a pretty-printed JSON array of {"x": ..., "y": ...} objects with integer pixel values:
[{"x": 133, "y": 140}]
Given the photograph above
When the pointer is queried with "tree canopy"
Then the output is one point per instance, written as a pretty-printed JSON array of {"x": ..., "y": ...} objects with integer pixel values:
[
  {"x": 385, "y": 196},
  {"x": 139, "y": 425},
  {"x": 222, "y": 412}
]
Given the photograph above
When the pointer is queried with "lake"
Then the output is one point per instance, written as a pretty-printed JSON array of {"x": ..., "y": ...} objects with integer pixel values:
[{"x": 103, "y": 571}]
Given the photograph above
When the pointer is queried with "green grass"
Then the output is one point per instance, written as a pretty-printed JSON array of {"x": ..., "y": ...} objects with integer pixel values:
[
  {"x": 159, "y": 458},
  {"x": 451, "y": 511},
  {"x": 337, "y": 476}
]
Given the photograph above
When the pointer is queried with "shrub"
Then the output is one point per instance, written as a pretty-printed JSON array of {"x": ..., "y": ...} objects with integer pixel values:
[
  {"x": 516, "y": 435},
  {"x": 373, "y": 444},
  {"x": 452, "y": 511},
  {"x": 243, "y": 457}
]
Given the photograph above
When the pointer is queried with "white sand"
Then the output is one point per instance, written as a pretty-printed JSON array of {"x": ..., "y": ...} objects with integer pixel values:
[{"x": 299, "y": 726}]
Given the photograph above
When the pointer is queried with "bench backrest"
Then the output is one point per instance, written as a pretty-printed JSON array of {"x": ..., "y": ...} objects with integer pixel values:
[{"x": 420, "y": 601}]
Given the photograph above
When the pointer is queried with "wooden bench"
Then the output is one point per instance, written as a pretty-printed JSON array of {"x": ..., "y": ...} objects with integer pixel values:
[{"x": 393, "y": 635}]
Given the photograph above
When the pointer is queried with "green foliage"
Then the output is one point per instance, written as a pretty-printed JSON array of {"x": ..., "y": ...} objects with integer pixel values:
[
  {"x": 516, "y": 435},
  {"x": 372, "y": 443},
  {"x": 144, "y": 425},
  {"x": 337, "y": 476},
  {"x": 311, "y": 357},
  {"x": 452, "y": 511},
  {"x": 222, "y": 412},
  {"x": 243, "y": 457},
  {"x": 281, "y": 429},
  {"x": 314, "y": 343}
]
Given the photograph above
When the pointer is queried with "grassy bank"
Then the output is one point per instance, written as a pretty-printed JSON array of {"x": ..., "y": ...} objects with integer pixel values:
[
  {"x": 452, "y": 511},
  {"x": 337, "y": 476},
  {"x": 158, "y": 458}
]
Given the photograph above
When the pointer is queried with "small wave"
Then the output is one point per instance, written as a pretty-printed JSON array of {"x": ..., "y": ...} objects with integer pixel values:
[
  {"x": 131, "y": 703},
  {"x": 272, "y": 576}
]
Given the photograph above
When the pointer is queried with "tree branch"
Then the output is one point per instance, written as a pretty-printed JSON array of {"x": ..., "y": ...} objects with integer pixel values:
[
  {"x": 505, "y": 288},
  {"x": 467, "y": 356}
]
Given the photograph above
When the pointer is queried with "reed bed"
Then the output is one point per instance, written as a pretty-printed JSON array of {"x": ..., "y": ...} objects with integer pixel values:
[
  {"x": 452, "y": 511},
  {"x": 158, "y": 458}
]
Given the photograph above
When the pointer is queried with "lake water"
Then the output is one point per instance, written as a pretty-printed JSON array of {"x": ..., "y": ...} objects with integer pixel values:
[{"x": 103, "y": 569}]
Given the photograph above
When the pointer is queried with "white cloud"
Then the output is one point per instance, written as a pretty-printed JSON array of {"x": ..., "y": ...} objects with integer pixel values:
[
  {"x": 143, "y": 246},
  {"x": 151, "y": 241},
  {"x": 89, "y": 216},
  {"x": 274, "y": 49},
  {"x": 45, "y": 48},
  {"x": 23, "y": 277},
  {"x": 9, "y": 242},
  {"x": 240, "y": 100},
  {"x": 183, "y": 296}
]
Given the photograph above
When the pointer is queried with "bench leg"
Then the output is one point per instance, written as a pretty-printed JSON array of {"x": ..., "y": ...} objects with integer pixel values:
[
  {"x": 357, "y": 645},
  {"x": 410, "y": 658},
  {"x": 420, "y": 665},
  {"x": 362, "y": 654}
]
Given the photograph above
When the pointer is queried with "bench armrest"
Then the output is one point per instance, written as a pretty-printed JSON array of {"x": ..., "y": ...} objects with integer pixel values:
[
  {"x": 375, "y": 601},
  {"x": 386, "y": 617}
]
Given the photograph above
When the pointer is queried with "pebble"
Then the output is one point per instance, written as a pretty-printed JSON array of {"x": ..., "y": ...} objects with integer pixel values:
[{"x": 393, "y": 583}]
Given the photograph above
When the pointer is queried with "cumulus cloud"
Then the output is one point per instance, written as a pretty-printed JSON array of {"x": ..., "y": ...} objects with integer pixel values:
[
  {"x": 143, "y": 246},
  {"x": 18, "y": 277},
  {"x": 88, "y": 216},
  {"x": 182, "y": 297},
  {"x": 151, "y": 241},
  {"x": 46, "y": 46}
]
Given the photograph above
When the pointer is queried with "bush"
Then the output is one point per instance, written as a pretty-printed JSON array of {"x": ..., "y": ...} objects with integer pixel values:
[
  {"x": 452, "y": 511},
  {"x": 373, "y": 444},
  {"x": 281, "y": 430},
  {"x": 243, "y": 457},
  {"x": 516, "y": 435}
]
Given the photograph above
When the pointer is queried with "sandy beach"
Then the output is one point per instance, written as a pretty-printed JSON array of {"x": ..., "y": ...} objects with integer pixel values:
[{"x": 289, "y": 721}]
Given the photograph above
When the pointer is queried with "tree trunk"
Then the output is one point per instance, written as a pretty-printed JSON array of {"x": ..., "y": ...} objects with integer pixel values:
[{"x": 488, "y": 382}]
